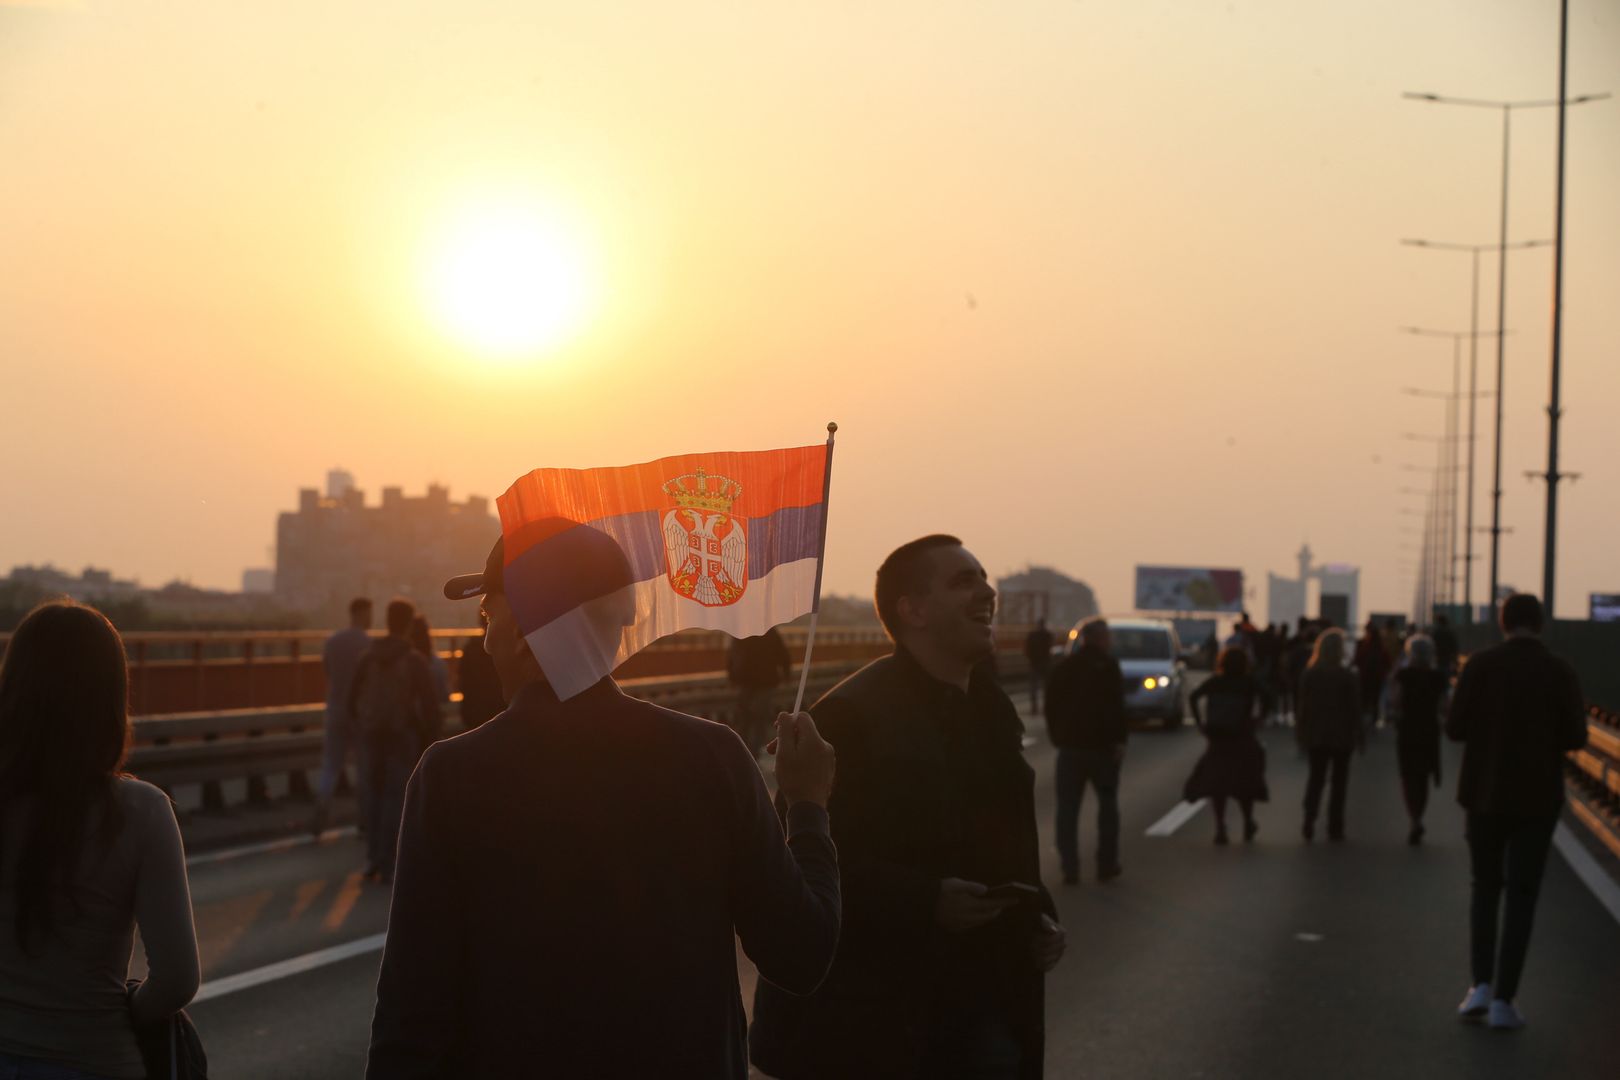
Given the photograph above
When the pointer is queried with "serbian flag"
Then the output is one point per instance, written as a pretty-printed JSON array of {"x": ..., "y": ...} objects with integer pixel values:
[{"x": 727, "y": 541}]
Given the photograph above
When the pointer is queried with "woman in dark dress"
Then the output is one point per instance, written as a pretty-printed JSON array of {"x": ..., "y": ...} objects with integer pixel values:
[
  {"x": 1226, "y": 706},
  {"x": 1418, "y": 696}
]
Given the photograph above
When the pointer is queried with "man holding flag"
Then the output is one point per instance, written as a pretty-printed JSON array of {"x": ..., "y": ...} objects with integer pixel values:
[{"x": 574, "y": 874}]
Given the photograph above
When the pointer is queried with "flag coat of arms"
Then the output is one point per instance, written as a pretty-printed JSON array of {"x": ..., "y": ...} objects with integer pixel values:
[{"x": 724, "y": 541}]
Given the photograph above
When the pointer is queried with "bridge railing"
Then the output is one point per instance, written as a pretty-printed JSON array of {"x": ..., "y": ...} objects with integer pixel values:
[
  {"x": 225, "y": 756},
  {"x": 1593, "y": 778},
  {"x": 211, "y": 671}
]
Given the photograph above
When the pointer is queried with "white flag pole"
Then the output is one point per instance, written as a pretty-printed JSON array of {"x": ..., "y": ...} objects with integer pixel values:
[{"x": 821, "y": 561}]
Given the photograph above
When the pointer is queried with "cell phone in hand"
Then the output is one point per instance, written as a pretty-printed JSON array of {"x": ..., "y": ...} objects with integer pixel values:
[{"x": 1012, "y": 890}]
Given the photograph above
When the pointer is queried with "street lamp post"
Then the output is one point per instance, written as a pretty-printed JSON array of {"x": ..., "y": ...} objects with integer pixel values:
[
  {"x": 1507, "y": 108},
  {"x": 1456, "y": 337},
  {"x": 1473, "y": 397}
]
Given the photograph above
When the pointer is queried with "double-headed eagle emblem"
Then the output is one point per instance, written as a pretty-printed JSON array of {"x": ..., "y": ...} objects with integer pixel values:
[{"x": 705, "y": 547}]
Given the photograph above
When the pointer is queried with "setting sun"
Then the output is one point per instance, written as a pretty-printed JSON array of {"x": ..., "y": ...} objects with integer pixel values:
[{"x": 508, "y": 282}]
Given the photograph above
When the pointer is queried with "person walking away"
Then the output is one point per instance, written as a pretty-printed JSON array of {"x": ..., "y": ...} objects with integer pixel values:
[
  {"x": 1329, "y": 728},
  {"x": 1233, "y": 766},
  {"x": 438, "y": 672},
  {"x": 1445, "y": 645},
  {"x": 1517, "y": 711},
  {"x": 1085, "y": 718},
  {"x": 1038, "y": 652},
  {"x": 575, "y": 875},
  {"x": 391, "y": 703},
  {"x": 1417, "y": 697},
  {"x": 1372, "y": 668},
  {"x": 756, "y": 666},
  {"x": 88, "y": 855},
  {"x": 340, "y": 656},
  {"x": 481, "y": 696},
  {"x": 939, "y": 973}
]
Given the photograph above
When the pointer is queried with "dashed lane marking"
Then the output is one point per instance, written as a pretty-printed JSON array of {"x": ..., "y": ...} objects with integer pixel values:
[
  {"x": 1182, "y": 813},
  {"x": 286, "y": 843},
  {"x": 1587, "y": 869},
  {"x": 281, "y": 969}
]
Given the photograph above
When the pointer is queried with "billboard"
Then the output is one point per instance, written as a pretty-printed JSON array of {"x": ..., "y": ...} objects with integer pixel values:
[
  {"x": 1188, "y": 588},
  {"x": 1605, "y": 607}
]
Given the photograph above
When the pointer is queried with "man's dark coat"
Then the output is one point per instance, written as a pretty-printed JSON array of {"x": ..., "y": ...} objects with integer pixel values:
[
  {"x": 1518, "y": 711},
  {"x": 573, "y": 879},
  {"x": 901, "y": 825}
]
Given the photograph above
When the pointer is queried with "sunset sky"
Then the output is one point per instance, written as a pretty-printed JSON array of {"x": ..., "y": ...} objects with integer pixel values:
[{"x": 1089, "y": 284}]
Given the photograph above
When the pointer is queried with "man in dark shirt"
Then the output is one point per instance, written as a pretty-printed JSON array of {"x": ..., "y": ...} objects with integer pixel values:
[
  {"x": 938, "y": 974},
  {"x": 1085, "y": 716},
  {"x": 1518, "y": 710},
  {"x": 1038, "y": 651},
  {"x": 392, "y": 704},
  {"x": 574, "y": 877}
]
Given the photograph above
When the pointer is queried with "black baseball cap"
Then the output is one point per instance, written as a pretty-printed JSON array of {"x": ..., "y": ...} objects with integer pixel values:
[{"x": 491, "y": 580}]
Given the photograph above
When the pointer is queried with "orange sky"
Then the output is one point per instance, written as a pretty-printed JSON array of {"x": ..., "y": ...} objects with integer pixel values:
[{"x": 1088, "y": 284}]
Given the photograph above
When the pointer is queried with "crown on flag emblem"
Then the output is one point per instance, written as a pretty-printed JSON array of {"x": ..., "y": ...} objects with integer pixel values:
[
  {"x": 701, "y": 494},
  {"x": 705, "y": 547}
]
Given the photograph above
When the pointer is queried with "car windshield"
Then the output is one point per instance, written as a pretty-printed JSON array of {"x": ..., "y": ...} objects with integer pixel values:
[{"x": 1137, "y": 643}]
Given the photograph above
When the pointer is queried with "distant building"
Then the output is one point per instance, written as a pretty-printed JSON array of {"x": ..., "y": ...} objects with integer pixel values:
[
  {"x": 1040, "y": 592},
  {"x": 259, "y": 579},
  {"x": 332, "y": 549},
  {"x": 1339, "y": 598},
  {"x": 339, "y": 482}
]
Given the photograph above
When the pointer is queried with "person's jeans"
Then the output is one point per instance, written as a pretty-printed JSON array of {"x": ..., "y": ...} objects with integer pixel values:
[
  {"x": 387, "y": 762},
  {"x": 964, "y": 1046},
  {"x": 335, "y": 746},
  {"x": 1076, "y": 767},
  {"x": 20, "y": 1068},
  {"x": 1415, "y": 789},
  {"x": 1322, "y": 762},
  {"x": 1508, "y": 853},
  {"x": 1037, "y": 679}
]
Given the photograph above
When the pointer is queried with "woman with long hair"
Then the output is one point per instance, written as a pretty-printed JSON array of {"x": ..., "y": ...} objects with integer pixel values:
[
  {"x": 87, "y": 855},
  {"x": 1227, "y": 707},
  {"x": 1328, "y": 728},
  {"x": 1417, "y": 701}
]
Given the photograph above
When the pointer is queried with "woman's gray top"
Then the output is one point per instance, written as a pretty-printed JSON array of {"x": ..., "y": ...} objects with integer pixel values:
[{"x": 63, "y": 999}]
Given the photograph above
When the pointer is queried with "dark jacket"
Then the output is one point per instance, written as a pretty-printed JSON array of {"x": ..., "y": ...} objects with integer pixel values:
[
  {"x": 1328, "y": 709},
  {"x": 913, "y": 804},
  {"x": 1085, "y": 701},
  {"x": 1518, "y": 709},
  {"x": 759, "y": 662},
  {"x": 570, "y": 878},
  {"x": 1038, "y": 648},
  {"x": 381, "y": 661}
]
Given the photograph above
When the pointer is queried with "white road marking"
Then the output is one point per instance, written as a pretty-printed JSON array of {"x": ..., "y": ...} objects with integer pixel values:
[
  {"x": 1176, "y": 818},
  {"x": 281, "y": 969},
  {"x": 284, "y": 844},
  {"x": 1587, "y": 869}
]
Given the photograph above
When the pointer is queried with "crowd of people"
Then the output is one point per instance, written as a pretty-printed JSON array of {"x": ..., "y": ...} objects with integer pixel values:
[
  {"x": 571, "y": 877},
  {"x": 1515, "y": 706}
]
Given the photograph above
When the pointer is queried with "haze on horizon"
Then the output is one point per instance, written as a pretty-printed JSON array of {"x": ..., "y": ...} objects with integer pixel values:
[{"x": 1089, "y": 285}]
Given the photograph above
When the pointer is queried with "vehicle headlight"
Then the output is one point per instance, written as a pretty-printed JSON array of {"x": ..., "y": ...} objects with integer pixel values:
[
  {"x": 1164, "y": 681},
  {"x": 1149, "y": 683}
]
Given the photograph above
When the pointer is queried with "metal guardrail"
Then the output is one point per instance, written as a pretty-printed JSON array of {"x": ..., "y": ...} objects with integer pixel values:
[
  {"x": 213, "y": 748},
  {"x": 1593, "y": 778},
  {"x": 215, "y": 671}
]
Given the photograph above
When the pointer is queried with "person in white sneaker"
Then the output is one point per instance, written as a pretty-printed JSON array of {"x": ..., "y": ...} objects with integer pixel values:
[{"x": 1518, "y": 710}]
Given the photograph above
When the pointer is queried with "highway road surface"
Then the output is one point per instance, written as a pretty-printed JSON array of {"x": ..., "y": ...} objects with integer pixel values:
[{"x": 1276, "y": 959}]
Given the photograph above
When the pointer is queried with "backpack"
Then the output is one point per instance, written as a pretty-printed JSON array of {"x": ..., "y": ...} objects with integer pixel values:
[
  {"x": 1228, "y": 714},
  {"x": 387, "y": 702}
]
